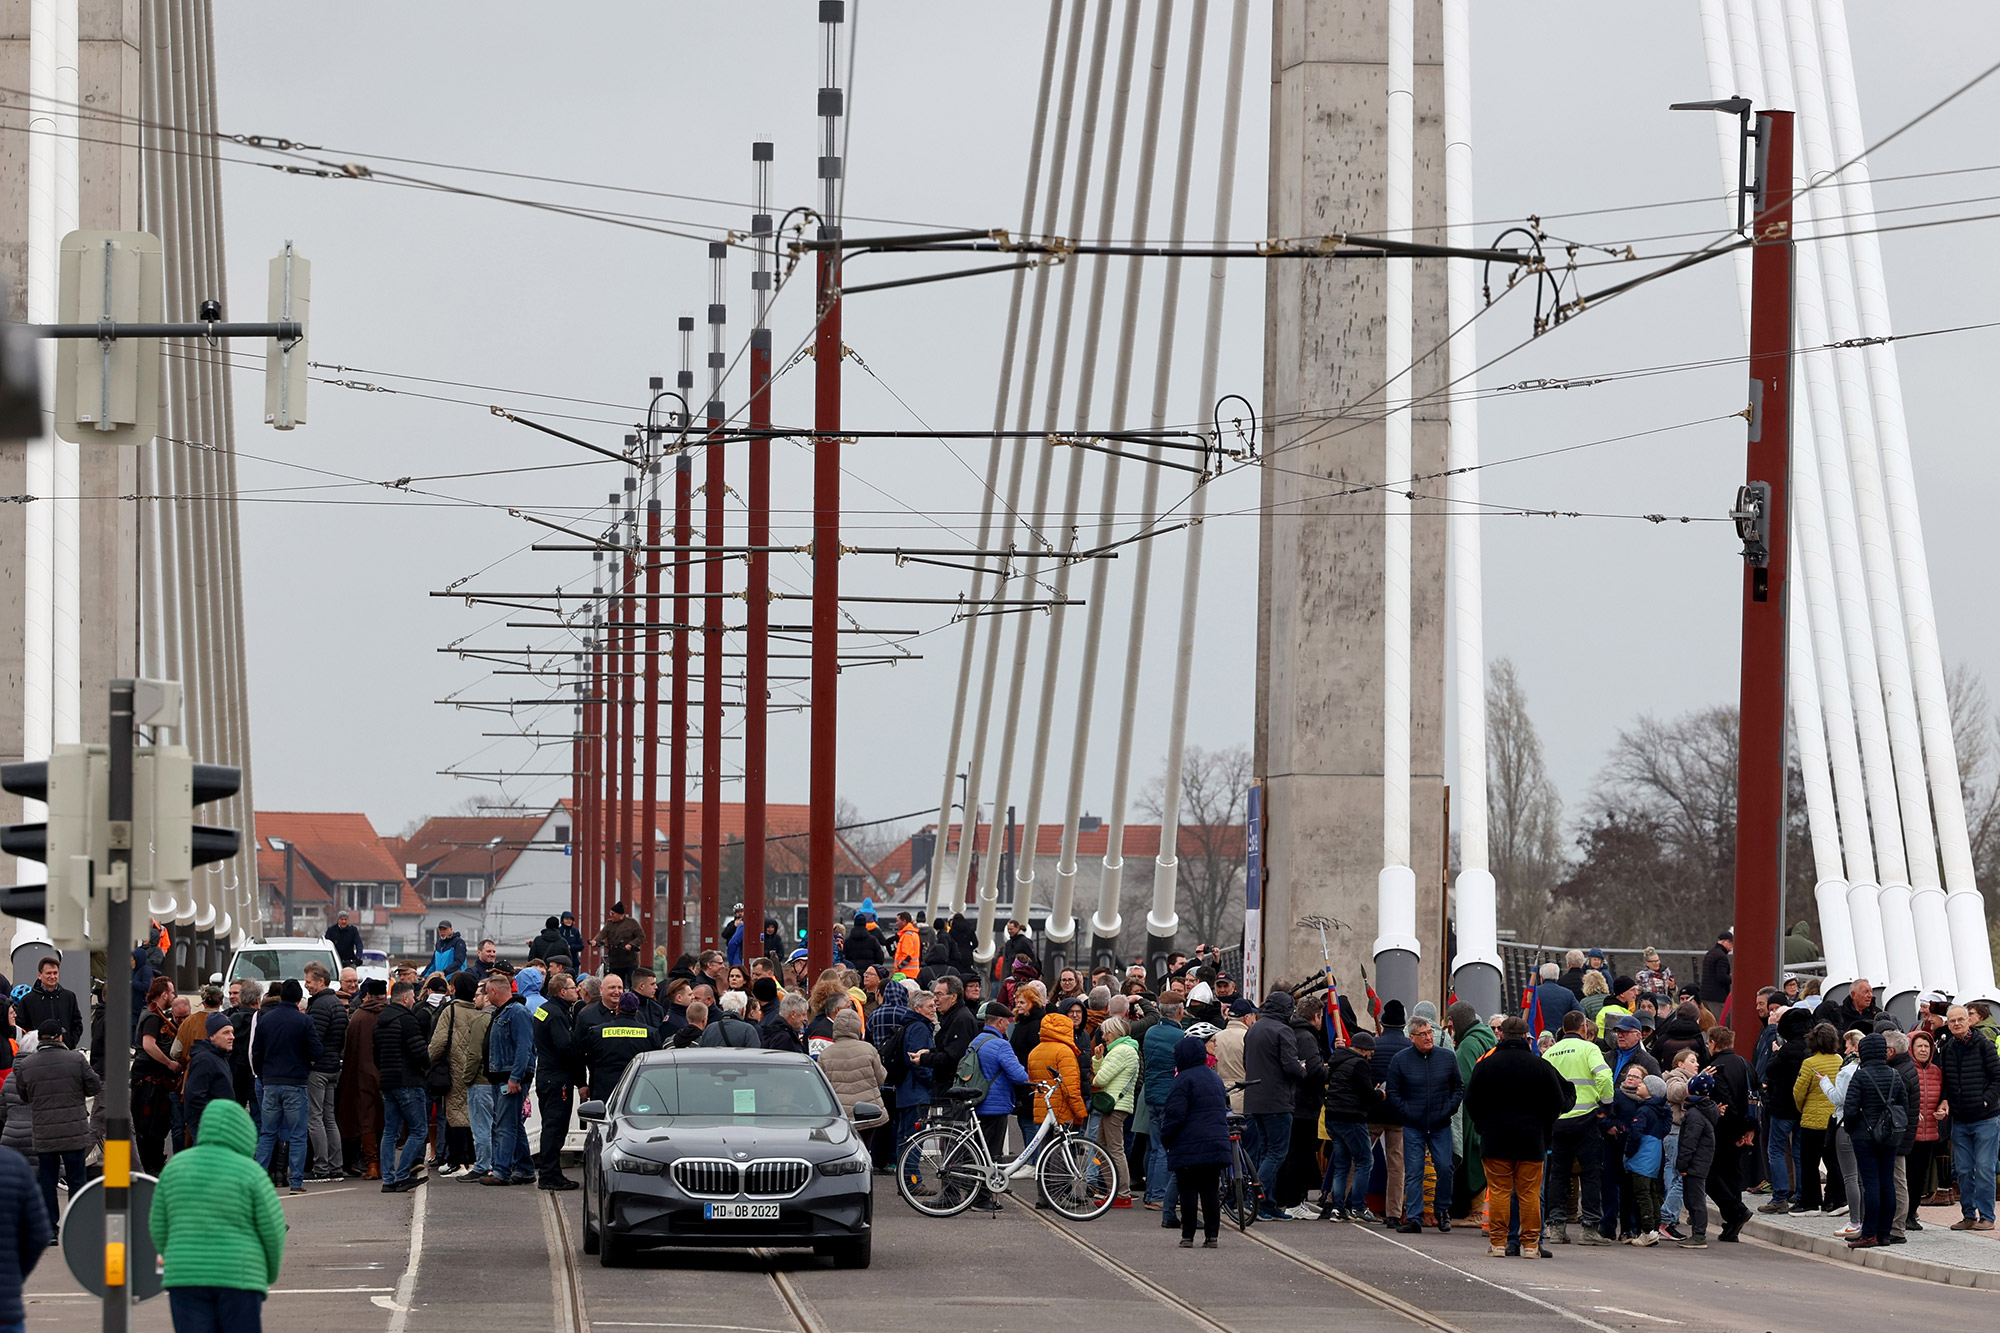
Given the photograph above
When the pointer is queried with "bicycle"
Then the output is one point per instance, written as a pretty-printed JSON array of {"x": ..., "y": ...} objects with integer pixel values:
[
  {"x": 943, "y": 1168},
  {"x": 1239, "y": 1178}
]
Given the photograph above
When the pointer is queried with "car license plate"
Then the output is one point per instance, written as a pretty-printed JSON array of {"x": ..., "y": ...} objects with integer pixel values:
[{"x": 740, "y": 1212}]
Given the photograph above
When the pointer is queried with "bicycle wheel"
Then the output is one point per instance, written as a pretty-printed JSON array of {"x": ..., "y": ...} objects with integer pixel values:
[
  {"x": 1078, "y": 1179},
  {"x": 938, "y": 1172},
  {"x": 1239, "y": 1190}
]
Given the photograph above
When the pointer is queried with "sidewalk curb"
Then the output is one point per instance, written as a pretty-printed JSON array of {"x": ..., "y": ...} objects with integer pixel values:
[{"x": 1889, "y": 1261}]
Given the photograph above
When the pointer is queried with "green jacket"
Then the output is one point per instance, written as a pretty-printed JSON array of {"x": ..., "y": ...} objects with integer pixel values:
[
  {"x": 216, "y": 1218},
  {"x": 1582, "y": 1063},
  {"x": 1118, "y": 1072},
  {"x": 1478, "y": 1040}
]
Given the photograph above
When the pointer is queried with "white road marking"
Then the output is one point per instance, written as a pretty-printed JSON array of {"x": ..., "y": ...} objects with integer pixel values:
[
  {"x": 1497, "y": 1286},
  {"x": 407, "y": 1286},
  {"x": 1635, "y": 1314},
  {"x": 321, "y": 1291},
  {"x": 722, "y": 1328}
]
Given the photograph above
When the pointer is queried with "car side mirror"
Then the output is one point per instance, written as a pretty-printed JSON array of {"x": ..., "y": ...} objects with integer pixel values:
[
  {"x": 591, "y": 1112},
  {"x": 867, "y": 1115}
]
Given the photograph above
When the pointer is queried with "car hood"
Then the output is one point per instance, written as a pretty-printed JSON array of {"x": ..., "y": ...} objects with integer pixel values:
[{"x": 664, "y": 1138}]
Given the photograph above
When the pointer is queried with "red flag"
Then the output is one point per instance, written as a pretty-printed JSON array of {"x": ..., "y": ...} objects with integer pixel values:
[
  {"x": 1374, "y": 1001},
  {"x": 1335, "y": 1024}
]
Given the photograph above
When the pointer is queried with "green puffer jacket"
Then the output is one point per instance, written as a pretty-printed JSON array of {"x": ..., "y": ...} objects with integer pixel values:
[
  {"x": 216, "y": 1217},
  {"x": 1118, "y": 1072}
]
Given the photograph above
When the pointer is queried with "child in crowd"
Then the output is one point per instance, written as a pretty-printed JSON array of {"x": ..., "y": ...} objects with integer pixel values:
[
  {"x": 1684, "y": 1067},
  {"x": 1695, "y": 1157},
  {"x": 1641, "y": 1111}
]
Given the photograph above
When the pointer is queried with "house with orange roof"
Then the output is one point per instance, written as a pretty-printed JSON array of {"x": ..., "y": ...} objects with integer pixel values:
[{"x": 311, "y": 865}]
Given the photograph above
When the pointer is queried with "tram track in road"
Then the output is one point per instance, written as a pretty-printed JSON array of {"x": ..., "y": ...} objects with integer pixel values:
[
  {"x": 1202, "y": 1319},
  {"x": 795, "y": 1301},
  {"x": 566, "y": 1276}
]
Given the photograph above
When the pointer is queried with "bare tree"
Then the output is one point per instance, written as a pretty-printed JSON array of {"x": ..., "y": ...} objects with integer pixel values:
[
  {"x": 869, "y": 841},
  {"x": 1975, "y": 734},
  {"x": 1215, "y": 788},
  {"x": 1524, "y": 811}
]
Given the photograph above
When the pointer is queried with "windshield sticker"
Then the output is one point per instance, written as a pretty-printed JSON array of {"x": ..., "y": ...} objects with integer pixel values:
[{"x": 745, "y": 1100}]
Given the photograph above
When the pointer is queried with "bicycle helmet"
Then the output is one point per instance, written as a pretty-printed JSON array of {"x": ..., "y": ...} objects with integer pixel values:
[
  {"x": 1203, "y": 1031},
  {"x": 20, "y": 992}
]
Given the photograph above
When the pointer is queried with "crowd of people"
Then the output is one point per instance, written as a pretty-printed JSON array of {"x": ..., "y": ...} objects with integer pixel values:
[{"x": 1608, "y": 1109}]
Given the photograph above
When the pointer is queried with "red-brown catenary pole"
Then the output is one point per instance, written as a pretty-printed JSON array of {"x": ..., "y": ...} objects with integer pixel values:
[
  {"x": 826, "y": 509},
  {"x": 757, "y": 617},
  {"x": 1760, "y": 766},
  {"x": 613, "y": 714},
  {"x": 715, "y": 488},
  {"x": 677, "y": 765},
  {"x": 577, "y": 771},
  {"x": 649, "y": 762},
  {"x": 628, "y": 698}
]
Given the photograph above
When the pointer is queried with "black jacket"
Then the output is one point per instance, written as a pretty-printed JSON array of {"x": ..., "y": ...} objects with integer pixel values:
[
  {"x": 1907, "y": 1069},
  {"x": 208, "y": 1079},
  {"x": 549, "y": 944},
  {"x": 286, "y": 1047},
  {"x": 1514, "y": 1099},
  {"x": 346, "y": 941},
  {"x": 1389, "y": 1043},
  {"x": 402, "y": 1054},
  {"x": 1716, "y": 965},
  {"x": 609, "y": 1042},
  {"x": 1779, "y": 1077},
  {"x": 1732, "y": 1091},
  {"x": 1971, "y": 1070},
  {"x": 1311, "y": 1046},
  {"x": 1271, "y": 1066},
  {"x": 960, "y": 938},
  {"x": 1698, "y": 1139},
  {"x": 863, "y": 946},
  {"x": 1849, "y": 1019},
  {"x": 1350, "y": 1086},
  {"x": 777, "y": 1035},
  {"x": 1872, "y": 1090},
  {"x": 329, "y": 1019},
  {"x": 955, "y": 1032},
  {"x": 1017, "y": 944},
  {"x": 40, "y": 1006},
  {"x": 555, "y": 1049},
  {"x": 240, "y": 1018}
]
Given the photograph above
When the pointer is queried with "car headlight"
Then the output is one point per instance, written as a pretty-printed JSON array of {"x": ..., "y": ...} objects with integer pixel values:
[
  {"x": 844, "y": 1166},
  {"x": 637, "y": 1166}
]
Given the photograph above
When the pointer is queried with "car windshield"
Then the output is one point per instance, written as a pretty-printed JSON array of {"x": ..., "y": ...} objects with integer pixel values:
[
  {"x": 278, "y": 964},
  {"x": 729, "y": 1091}
]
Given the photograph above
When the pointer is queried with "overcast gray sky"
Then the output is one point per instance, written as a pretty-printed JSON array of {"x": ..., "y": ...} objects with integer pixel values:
[{"x": 1605, "y": 618}]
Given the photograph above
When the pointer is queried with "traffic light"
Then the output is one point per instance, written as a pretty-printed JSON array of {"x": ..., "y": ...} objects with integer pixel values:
[
  {"x": 74, "y": 783},
  {"x": 167, "y": 844}
]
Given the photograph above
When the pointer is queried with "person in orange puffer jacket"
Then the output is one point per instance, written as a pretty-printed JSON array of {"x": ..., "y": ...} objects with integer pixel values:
[
  {"x": 909, "y": 945},
  {"x": 1054, "y": 1056}
]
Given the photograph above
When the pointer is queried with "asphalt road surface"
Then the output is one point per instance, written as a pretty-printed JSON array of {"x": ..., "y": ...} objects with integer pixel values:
[{"x": 464, "y": 1257}]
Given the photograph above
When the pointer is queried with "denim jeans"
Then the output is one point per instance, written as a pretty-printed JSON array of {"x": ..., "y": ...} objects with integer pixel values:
[
  {"x": 1972, "y": 1148},
  {"x": 1349, "y": 1158},
  {"x": 217, "y": 1309},
  {"x": 510, "y": 1138},
  {"x": 1670, "y": 1202},
  {"x": 907, "y": 1118},
  {"x": 479, "y": 1107},
  {"x": 1416, "y": 1142},
  {"x": 1784, "y": 1157},
  {"x": 405, "y": 1111},
  {"x": 1876, "y": 1204},
  {"x": 284, "y": 1118},
  {"x": 1162, "y": 1185},
  {"x": 1274, "y": 1144}
]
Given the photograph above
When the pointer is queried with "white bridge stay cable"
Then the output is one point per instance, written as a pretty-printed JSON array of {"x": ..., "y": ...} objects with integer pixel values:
[{"x": 1163, "y": 922}]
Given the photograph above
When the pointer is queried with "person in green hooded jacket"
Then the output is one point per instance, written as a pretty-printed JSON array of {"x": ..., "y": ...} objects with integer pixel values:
[
  {"x": 1471, "y": 1040},
  {"x": 217, "y": 1223}
]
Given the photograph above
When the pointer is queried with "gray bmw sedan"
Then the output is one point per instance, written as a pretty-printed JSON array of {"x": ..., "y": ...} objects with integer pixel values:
[{"x": 725, "y": 1147}]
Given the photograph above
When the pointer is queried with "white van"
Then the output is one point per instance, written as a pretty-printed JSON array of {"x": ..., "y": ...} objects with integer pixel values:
[{"x": 280, "y": 958}]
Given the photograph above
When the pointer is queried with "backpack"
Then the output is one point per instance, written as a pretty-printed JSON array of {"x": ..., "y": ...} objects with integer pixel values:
[
  {"x": 970, "y": 1073},
  {"x": 896, "y": 1060},
  {"x": 1887, "y": 1126}
]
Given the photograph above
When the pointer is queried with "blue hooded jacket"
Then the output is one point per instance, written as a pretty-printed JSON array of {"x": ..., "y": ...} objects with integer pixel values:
[
  {"x": 449, "y": 955},
  {"x": 1194, "y": 1124},
  {"x": 1003, "y": 1070},
  {"x": 1162, "y": 1040},
  {"x": 528, "y": 981}
]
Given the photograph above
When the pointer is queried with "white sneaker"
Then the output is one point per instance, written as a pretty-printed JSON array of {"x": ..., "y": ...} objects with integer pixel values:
[
  {"x": 1837, "y": 1212},
  {"x": 1849, "y": 1230},
  {"x": 1646, "y": 1238}
]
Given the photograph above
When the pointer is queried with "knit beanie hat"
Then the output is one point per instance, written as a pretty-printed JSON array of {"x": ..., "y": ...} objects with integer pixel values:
[
  {"x": 1392, "y": 1014},
  {"x": 1655, "y": 1086},
  {"x": 766, "y": 991}
]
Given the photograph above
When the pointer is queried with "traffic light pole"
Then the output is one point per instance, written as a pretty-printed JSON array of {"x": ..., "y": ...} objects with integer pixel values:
[
  {"x": 1761, "y": 514},
  {"x": 118, "y": 1020},
  {"x": 757, "y": 612}
]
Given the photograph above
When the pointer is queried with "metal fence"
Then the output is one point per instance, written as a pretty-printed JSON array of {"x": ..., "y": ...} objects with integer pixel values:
[{"x": 1520, "y": 963}]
